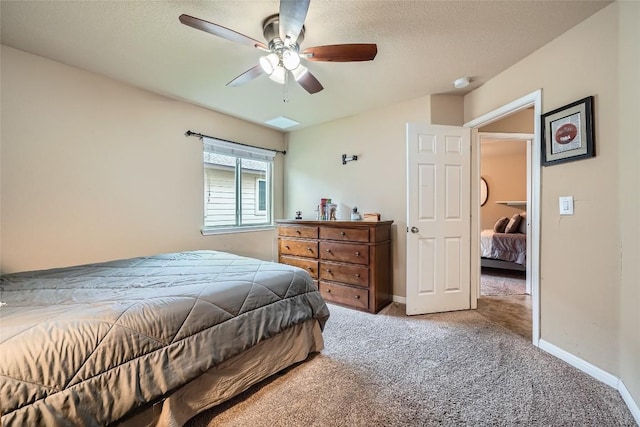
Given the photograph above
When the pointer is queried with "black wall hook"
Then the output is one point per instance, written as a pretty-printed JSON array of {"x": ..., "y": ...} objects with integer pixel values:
[{"x": 346, "y": 159}]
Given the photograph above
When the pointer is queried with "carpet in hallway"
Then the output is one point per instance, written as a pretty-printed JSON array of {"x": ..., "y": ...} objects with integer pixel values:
[{"x": 500, "y": 282}]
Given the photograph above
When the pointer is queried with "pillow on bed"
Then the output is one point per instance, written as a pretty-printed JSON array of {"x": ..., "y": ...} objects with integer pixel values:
[
  {"x": 500, "y": 224},
  {"x": 523, "y": 223},
  {"x": 514, "y": 224}
]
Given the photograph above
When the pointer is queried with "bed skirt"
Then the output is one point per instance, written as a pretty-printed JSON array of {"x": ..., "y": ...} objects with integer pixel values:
[{"x": 232, "y": 377}]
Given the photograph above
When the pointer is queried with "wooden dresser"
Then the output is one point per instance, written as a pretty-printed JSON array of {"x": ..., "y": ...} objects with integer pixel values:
[{"x": 349, "y": 260}]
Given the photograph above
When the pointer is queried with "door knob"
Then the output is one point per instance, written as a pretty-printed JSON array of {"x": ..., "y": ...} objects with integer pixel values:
[{"x": 414, "y": 229}]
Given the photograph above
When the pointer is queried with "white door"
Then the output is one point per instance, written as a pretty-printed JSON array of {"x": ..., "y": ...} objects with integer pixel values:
[{"x": 438, "y": 218}]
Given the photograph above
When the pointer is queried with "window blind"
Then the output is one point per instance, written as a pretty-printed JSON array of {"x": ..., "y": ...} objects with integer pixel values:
[{"x": 218, "y": 146}]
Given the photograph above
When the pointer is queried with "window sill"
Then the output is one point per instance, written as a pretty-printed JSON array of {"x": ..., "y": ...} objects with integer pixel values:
[{"x": 232, "y": 230}]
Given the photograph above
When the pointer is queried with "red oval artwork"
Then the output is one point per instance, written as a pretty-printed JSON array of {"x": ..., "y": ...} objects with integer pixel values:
[{"x": 566, "y": 133}]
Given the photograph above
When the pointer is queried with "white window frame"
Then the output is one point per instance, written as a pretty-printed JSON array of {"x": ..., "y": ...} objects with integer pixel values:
[{"x": 240, "y": 151}]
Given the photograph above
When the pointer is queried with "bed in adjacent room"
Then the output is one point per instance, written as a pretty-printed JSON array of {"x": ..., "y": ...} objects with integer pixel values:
[
  {"x": 505, "y": 246},
  {"x": 151, "y": 340}
]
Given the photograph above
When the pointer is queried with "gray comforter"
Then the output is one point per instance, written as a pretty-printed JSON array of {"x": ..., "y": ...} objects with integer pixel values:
[
  {"x": 88, "y": 345},
  {"x": 510, "y": 247}
]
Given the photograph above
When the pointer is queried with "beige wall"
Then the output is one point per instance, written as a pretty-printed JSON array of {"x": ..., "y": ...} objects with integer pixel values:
[
  {"x": 447, "y": 110},
  {"x": 629, "y": 194},
  {"x": 519, "y": 122},
  {"x": 95, "y": 170},
  {"x": 503, "y": 165},
  {"x": 580, "y": 255},
  {"x": 374, "y": 183}
]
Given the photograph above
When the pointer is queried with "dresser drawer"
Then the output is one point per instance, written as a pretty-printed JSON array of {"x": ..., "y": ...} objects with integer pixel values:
[
  {"x": 354, "y": 297},
  {"x": 345, "y": 252},
  {"x": 352, "y": 274},
  {"x": 305, "y": 248},
  {"x": 298, "y": 231},
  {"x": 311, "y": 266},
  {"x": 350, "y": 234}
]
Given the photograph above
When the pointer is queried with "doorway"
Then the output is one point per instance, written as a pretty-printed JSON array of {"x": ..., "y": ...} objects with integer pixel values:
[
  {"x": 534, "y": 101},
  {"x": 504, "y": 287}
]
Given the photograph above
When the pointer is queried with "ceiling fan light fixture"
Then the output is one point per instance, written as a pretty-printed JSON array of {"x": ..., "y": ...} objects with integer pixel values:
[
  {"x": 269, "y": 63},
  {"x": 278, "y": 75},
  {"x": 290, "y": 59}
]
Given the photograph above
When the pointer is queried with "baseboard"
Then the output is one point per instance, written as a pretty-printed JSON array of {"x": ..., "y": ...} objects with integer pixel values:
[
  {"x": 595, "y": 372},
  {"x": 401, "y": 300},
  {"x": 583, "y": 365},
  {"x": 631, "y": 404}
]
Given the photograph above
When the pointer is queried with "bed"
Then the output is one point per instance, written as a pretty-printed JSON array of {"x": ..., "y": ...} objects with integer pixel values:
[
  {"x": 151, "y": 340},
  {"x": 505, "y": 246}
]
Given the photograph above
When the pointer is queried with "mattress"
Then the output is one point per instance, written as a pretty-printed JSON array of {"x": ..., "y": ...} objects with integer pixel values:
[
  {"x": 511, "y": 247},
  {"x": 90, "y": 345}
]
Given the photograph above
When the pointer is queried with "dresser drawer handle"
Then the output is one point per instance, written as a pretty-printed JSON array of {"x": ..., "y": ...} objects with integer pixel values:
[
  {"x": 357, "y": 253},
  {"x": 328, "y": 291},
  {"x": 287, "y": 247},
  {"x": 310, "y": 250},
  {"x": 357, "y": 274},
  {"x": 309, "y": 268},
  {"x": 298, "y": 231},
  {"x": 328, "y": 271},
  {"x": 329, "y": 250},
  {"x": 357, "y": 296},
  {"x": 342, "y": 233}
]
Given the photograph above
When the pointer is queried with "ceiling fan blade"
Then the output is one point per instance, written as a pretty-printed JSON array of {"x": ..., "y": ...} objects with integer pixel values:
[
  {"x": 342, "y": 52},
  {"x": 292, "y": 16},
  {"x": 220, "y": 31},
  {"x": 247, "y": 76},
  {"x": 309, "y": 82}
]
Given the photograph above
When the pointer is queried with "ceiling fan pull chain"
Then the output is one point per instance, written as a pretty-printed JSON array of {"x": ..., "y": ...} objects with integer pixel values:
[{"x": 285, "y": 87}]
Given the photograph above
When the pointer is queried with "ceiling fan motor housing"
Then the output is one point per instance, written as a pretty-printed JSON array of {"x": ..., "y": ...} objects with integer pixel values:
[{"x": 271, "y": 32}]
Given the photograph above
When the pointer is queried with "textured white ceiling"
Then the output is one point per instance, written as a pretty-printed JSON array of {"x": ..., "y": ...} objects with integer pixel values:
[{"x": 423, "y": 46}]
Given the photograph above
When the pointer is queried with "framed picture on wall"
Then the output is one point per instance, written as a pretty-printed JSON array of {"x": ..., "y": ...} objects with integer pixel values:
[{"x": 567, "y": 133}]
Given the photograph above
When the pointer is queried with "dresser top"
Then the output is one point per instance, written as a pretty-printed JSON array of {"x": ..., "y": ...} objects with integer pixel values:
[{"x": 339, "y": 223}]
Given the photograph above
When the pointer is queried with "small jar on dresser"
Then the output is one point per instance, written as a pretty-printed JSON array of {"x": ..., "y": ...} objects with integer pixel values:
[{"x": 350, "y": 261}]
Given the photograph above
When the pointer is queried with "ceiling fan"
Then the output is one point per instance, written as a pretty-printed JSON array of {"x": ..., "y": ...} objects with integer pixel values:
[{"x": 284, "y": 33}]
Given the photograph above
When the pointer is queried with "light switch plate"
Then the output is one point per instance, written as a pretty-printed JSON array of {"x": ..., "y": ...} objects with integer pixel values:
[{"x": 566, "y": 205}]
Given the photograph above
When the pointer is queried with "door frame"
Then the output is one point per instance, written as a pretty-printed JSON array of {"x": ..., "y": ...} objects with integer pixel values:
[{"x": 533, "y": 99}]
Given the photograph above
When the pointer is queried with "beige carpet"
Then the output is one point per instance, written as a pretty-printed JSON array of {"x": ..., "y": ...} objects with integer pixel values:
[
  {"x": 502, "y": 282},
  {"x": 451, "y": 369}
]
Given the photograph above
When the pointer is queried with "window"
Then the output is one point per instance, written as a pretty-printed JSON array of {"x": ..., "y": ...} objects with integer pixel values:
[
  {"x": 237, "y": 186},
  {"x": 261, "y": 194}
]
